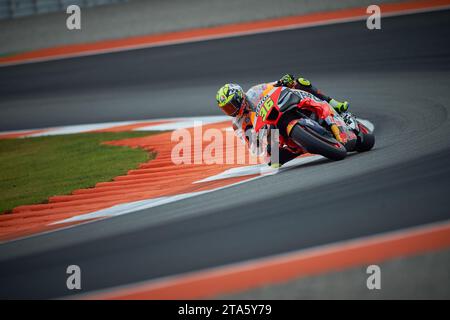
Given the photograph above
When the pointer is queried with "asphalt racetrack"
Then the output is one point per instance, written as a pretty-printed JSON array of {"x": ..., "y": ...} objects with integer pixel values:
[{"x": 397, "y": 77}]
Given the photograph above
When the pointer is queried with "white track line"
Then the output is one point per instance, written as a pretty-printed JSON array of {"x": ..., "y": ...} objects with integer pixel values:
[
  {"x": 176, "y": 123},
  {"x": 186, "y": 122},
  {"x": 134, "y": 206}
]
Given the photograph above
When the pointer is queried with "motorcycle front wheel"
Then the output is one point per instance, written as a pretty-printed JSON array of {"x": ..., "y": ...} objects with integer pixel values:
[
  {"x": 314, "y": 143},
  {"x": 366, "y": 141}
]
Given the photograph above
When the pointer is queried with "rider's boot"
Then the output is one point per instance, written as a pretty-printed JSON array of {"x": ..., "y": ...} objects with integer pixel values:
[{"x": 340, "y": 107}]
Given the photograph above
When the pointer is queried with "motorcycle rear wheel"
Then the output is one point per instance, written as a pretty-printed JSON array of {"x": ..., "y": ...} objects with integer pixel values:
[{"x": 367, "y": 141}]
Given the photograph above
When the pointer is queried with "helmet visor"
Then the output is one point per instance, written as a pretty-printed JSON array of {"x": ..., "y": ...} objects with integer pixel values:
[{"x": 230, "y": 109}]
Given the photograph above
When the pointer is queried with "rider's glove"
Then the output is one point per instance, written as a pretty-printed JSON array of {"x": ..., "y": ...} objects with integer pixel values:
[{"x": 288, "y": 80}]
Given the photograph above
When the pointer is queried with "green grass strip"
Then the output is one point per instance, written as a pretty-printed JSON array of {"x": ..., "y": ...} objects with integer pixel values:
[{"x": 33, "y": 169}]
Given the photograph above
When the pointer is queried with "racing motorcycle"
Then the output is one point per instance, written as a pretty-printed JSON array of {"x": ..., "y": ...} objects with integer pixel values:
[{"x": 307, "y": 124}]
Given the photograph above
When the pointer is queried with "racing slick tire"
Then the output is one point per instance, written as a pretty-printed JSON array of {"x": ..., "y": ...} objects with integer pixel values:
[
  {"x": 367, "y": 141},
  {"x": 330, "y": 149}
]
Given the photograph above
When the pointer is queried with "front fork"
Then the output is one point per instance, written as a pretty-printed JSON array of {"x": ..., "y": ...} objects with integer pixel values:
[
  {"x": 334, "y": 128},
  {"x": 345, "y": 129}
]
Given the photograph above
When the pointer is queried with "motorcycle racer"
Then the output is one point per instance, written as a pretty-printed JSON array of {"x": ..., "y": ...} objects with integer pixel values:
[{"x": 233, "y": 101}]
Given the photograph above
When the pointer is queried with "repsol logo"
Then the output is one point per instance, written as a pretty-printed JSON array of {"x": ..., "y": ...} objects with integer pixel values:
[{"x": 260, "y": 103}]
